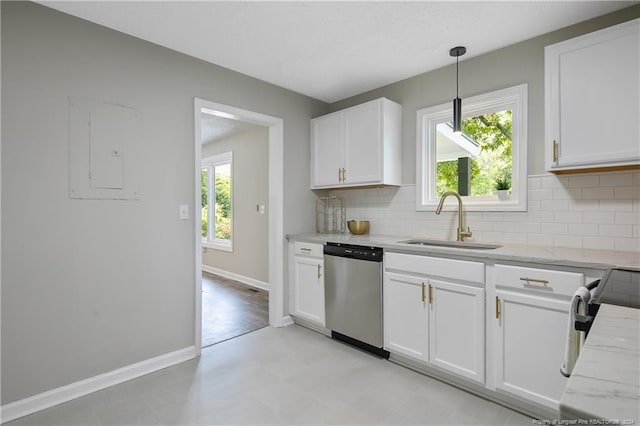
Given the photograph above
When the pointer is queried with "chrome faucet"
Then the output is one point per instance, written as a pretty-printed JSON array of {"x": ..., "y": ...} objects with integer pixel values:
[{"x": 462, "y": 234}]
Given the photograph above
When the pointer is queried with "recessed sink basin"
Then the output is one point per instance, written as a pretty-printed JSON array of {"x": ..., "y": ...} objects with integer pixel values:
[{"x": 452, "y": 244}]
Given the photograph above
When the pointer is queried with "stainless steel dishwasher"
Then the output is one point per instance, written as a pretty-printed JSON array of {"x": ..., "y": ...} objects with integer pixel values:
[{"x": 353, "y": 295}]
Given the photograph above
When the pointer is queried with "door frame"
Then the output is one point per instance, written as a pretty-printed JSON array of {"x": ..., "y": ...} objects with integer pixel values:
[{"x": 275, "y": 205}]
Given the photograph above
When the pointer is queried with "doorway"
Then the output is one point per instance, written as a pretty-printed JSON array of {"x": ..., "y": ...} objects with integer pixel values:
[{"x": 275, "y": 205}]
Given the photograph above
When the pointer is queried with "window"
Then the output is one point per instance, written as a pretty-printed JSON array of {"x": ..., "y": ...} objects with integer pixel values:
[
  {"x": 217, "y": 201},
  {"x": 489, "y": 155}
]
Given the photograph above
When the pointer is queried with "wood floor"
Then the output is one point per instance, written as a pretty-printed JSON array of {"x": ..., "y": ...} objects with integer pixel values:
[{"x": 231, "y": 309}]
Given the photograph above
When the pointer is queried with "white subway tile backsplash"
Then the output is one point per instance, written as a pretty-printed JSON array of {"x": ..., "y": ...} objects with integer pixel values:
[
  {"x": 567, "y": 194},
  {"x": 582, "y": 181},
  {"x": 630, "y": 218},
  {"x": 598, "y": 217},
  {"x": 591, "y": 211},
  {"x": 567, "y": 217},
  {"x": 540, "y": 239},
  {"x": 540, "y": 194},
  {"x": 556, "y": 205},
  {"x": 598, "y": 243},
  {"x": 583, "y": 229},
  {"x": 615, "y": 231},
  {"x": 541, "y": 217},
  {"x": 597, "y": 193},
  {"x": 584, "y": 205},
  {"x": 567, "y": 241},
  {"x": 627, "y": 244},
  {"x": 551, "y": 181},
  {"x": 616, "y": 205},
  {"x": 616, "y": 179},
  {"x": 554, "y": 228},
  {"x": 514, "y": 238},
  {"x": 627, "y": 192}
]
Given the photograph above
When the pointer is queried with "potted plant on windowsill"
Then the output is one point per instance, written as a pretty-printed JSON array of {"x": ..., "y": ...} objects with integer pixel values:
[{"x": 503, "y": 185}]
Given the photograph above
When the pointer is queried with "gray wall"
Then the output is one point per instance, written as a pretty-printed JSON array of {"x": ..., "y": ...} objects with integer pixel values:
[
  {"x": 510, "y": 66},
  {"x": 92, "y": 286},
  {"x": 250, "y": 187}
]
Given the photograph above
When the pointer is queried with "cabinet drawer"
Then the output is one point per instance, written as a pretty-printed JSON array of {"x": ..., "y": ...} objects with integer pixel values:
[
  {"x": 556, "y": 282},
  {"x": 461, "y": 270},
  {"x": 308, "y": 249}
]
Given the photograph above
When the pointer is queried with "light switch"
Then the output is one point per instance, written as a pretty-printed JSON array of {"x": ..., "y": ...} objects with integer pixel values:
[
  {"x": 260, "y": 208},
  {"x": 184, "y": 211}
]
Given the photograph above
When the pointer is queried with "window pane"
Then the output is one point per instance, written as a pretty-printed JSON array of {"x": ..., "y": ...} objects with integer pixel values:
[
  {"x": 473, "y": 162},
  {"x": 222, "y": 176},
  {"x": 204, "y": 176}
]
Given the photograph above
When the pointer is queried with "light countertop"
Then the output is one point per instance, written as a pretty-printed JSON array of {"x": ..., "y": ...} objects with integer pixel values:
[
  {"x": 560, "y": 256},
  {"x": 605, "y": 383}
]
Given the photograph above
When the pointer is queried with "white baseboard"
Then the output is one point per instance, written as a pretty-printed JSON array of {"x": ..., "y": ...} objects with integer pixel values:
[
  {"x": 287, "y": 320},
  {"x": 32, "y": 404},
  {"x": 241, "y": 278}
]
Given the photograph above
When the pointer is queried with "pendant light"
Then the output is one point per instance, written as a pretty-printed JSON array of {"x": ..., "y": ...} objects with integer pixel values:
[{"x": 457, "y": 102}]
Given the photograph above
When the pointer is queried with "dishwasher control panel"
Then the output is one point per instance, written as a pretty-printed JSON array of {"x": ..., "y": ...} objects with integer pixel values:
[{"x": 372, "y": 254}]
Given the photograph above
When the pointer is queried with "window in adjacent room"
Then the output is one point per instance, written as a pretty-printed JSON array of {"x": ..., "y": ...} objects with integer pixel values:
[{"x": 217, "y": 201}]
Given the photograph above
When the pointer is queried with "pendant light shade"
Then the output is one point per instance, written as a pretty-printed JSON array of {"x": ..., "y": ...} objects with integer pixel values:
[
  {"x": 457, "y": 115},
  {"x": 457, "y": 102}
]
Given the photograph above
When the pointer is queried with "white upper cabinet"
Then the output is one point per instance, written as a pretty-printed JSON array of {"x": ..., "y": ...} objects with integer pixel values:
[
  {"x": 592, "y": 100},
  {"x": 358, "y": 146}
]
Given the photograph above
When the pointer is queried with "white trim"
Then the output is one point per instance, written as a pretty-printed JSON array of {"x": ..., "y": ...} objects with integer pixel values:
[
  {"x": 287, "y": 320},
  {"x": 252, "y": 282},
  {"x": 514, "y": 98},
  {"x": 50, "y": 398},
  {"x": 276, "y": 206}
]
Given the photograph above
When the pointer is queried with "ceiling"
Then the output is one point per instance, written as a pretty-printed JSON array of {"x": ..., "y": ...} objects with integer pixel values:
[
  {"x": 215, "y": 128},
  {"x": 333, "y": 50}
]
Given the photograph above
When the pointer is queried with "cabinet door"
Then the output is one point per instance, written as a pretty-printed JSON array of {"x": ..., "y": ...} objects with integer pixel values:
[
  {"x": 530, "y": 339},
  {"x": 593, "y": 99},
  {"x": 363, "y": 143},
  {"x": 327, "y": 152},
  {"x": 405, "y": 316},
  {"x": 309, "y": 289},
  {"x": 456, "y": 328}
]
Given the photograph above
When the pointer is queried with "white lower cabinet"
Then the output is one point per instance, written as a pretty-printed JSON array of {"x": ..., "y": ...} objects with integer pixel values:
[
  {"x": 456, "y": 329},
  {"x": 434, "y": 314},
  {"x": 530, "y": 326},
  {"x": 308, "y": 283},
  {"x": 406, "y": 317}
]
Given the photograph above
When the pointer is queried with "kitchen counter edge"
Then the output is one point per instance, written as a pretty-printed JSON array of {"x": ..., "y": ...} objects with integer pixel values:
[
  {"x": 558, "y": 256},
  {"x": 605, "y": 383}
]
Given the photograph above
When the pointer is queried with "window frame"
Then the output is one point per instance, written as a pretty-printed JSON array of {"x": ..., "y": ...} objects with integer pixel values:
[
  {"x": 210, "y": 163},
  {"x": 513, "y": 98}
]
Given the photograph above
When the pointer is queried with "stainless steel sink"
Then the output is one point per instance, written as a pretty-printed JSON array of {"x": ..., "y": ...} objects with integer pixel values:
[{"x": 452, "y": 244}]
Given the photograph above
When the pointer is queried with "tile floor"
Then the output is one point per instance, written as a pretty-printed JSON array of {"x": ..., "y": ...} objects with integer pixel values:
[
  {"x": 230, "y": 309},
  {"x": 283, "y": 376}
]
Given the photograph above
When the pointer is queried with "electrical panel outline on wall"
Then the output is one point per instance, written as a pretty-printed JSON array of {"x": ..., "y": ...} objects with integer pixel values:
[{"x": 103, "y": 160}]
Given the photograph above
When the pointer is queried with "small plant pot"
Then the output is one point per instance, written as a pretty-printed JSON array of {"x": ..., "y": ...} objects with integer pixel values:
[{"x": 503, "y": 194}]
